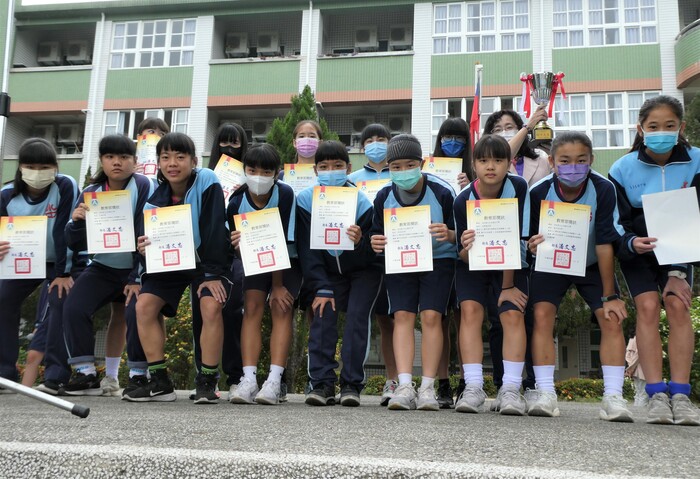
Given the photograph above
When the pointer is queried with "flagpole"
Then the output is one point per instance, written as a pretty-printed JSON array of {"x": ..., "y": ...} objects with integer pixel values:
[{"x": 478, "y": 73}]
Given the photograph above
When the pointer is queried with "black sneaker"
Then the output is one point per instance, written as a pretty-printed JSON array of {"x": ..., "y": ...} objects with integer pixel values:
[
  {"x": 158, "y": 389},
  {"x": 83, "y": 385},
  {"x": 444, "y": 394},
  {"x": 206, "y": 389},
  {"x": 135, "y": 382},
  {"x": 349, "y": 396},
  {"x": 321, "y": 396},
  {"x": 51, "y": 387}
]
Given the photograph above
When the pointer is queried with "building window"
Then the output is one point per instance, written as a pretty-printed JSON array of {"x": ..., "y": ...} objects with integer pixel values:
[
  {"x": 570, "y": 112},
  {"x": 439, "y": 113},
  {"x": 125, "y": 122},
  {"x": 180, "y": 118},
  {"x": 448, "y": 28},
  {"x": 159, "y": 43}
]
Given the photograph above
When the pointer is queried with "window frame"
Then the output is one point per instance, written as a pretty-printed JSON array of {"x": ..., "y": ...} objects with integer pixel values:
[{"x": 143, "y": 56}]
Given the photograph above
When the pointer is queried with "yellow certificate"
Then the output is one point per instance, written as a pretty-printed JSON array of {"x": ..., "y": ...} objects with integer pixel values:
[
  {"x": 172, "y": 242},
  {"x": 446, "y": 169},
  {"x": 146, "y": 154},
  {"x": 109, "y": 222},
  {"x": 409, "y": 245},
  {"x": 231, "y": 175},
  {"x": 333, "y": 210},
  {"x": 27, "y": 255},
  {"x": 371, "y": 187},
  {"x": 263, "y": 245},
  {"x": 565, "y": 230},
  {"x": 299, "y": 176},
  {"x": 497, "y": 242}
]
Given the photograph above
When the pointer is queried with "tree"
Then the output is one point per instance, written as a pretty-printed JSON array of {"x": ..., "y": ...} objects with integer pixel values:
[
  {"x": 692, "y": 121},
  {"x": 303, "y": 108}
]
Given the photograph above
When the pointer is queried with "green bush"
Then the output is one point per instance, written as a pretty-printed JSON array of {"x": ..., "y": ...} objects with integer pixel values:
[{"x": 577, "y": 389}]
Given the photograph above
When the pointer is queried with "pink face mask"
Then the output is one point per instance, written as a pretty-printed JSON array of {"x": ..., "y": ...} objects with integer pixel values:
[{"x": 307, "y": 147}]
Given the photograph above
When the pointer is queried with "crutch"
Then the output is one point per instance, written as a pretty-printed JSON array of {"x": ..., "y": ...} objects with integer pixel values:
[{"x": 76, "y": 409}]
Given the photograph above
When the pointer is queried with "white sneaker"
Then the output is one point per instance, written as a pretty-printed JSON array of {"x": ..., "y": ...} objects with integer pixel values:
[
  {"x": 404, "y": 398},
  {"x": 471, "y": 400},
  {"x": 245, "y": 392},
  {"x": 510, "y": 401},
  {"x": 545, "y": 406},
  {"x": 614, "y": 409},
  {"x": 232, "y": 392},
  {"x": 269, "y": 394},
  {"x": 659, "y": 409},
  {"x": 388, "y": 392},
  {"x": 110, "y": 386},
  {"x": 427, "y": 400},
  {"x": 531, "y": 396},
  {"x": 684, "y": 413}
]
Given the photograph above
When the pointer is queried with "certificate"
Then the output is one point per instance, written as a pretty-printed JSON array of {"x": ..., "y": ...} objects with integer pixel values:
[
  {"x": 231, "y": 175},
  {"x": 299, "y": 176},
  {"x": 673, "y": 218},
  {"x": 565, "y": 230},
  {"x": 27, "y": 255},
  {"x": 444, "y": 168},
  {"x": 146, "y": 154},
  {"x": 497, "y": 227},
  {"x": 263, "y": 245},
  {"x": 333, "y": 210},
  {"x": 409, "y": 246},
  {"x": 109, "y": 222},
  {"x": 371, "y": 187},
  {"x": 172, "y": 243}
]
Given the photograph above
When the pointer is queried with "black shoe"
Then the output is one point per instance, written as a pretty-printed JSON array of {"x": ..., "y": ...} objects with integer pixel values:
[
  {"x": 321, "y": 396},
  {"x": 51, "y": 387},
  {"x": 444, "y": 394},
  {"x": 460, "y": 388},
  {"x": 159, "y": 388},
  {"x": 349, "y": 396},
  {"x": 206, "y": 389},
  {"x": 83, "y": 385},
  {"x": 135, "y": 382}
]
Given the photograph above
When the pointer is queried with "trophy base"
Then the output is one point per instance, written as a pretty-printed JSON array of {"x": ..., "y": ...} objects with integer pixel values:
[{"x": 543, "y": 132}]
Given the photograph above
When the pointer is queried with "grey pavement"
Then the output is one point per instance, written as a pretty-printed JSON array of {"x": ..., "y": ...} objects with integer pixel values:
[{"x": 180, "y": 439}]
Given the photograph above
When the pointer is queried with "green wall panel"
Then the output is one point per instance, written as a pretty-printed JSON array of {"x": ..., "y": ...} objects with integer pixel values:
[
  {"x": 66, "y": 166},
  {"x": 605, "y": 158},
  {"x": 688, "y": 49},
  {"x": 149, "y": 83},
  {"x": 365, "y": 73},
  {"x": 500, "y": 68},
  {"x": 254, "y": 78},
  {"x": 608, "y": 63},
  {"x": 68, "y": 85}
]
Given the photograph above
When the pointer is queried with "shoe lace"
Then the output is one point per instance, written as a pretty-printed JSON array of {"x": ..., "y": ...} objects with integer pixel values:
[
  {"x": 660, "y": 398},
  {"x": 683, "y": 402}
]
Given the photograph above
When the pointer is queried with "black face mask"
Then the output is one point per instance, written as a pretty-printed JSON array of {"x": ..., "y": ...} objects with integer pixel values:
[{"x": 234, "y": 153}]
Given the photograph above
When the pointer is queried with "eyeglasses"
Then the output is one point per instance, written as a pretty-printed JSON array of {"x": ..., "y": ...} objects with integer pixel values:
[
  {"x": 498, "y": 129},
  {"x": 224, "y": 144},
  {"x": 460, "y": 139}
]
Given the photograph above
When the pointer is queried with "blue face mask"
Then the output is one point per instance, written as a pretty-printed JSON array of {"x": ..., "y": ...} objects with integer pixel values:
[
  {"x": 406, "y": 179},
  {"x": 452, "y": 148},
  {"x": 376, "y": 152},
  {"x": 332, "y": 178},
  {"x": 661, "y": 141}
]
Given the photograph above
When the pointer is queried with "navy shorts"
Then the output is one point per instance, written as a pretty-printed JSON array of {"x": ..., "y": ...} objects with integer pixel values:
[
  {"x": 428, "y": 290},
  {"x": 170, "y": 286},
  {"x": 644, "y": 275},
  {"x": 381, "y": 307},
  {"x": 484, "y": 287},
  {"x": 552, "y": 287},
  {"x": 291, "y": 278}
]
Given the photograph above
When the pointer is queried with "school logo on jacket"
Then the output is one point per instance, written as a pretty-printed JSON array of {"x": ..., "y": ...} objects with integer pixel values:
[{"x": 51, "y": 211}]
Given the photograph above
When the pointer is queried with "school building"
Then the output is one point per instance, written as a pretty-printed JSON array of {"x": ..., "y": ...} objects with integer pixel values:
[{"x": 78, "y": 70}]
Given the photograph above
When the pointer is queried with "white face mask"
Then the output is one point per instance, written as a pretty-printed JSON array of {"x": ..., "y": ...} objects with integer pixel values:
[
  {"x": 507, "y": 134},
  {"x": 38, "y": 179},
  {"x": 259, "y": 185}
]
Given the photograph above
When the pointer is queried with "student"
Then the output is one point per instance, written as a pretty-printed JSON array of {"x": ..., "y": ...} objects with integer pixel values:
[
  {"x": 424, "y": 292},
  {"x": 661, "y": 159},
  {"x": 110, "y": 277},
  {"x": 306, "y": 138},
  {"x": 573, "y": 181},
  {"x": 180, "y": 182},
  {"x": 374, "y": 140},
  {"x": 230, "y": 140},
  {"x": 262, "y": 191},
  {"x": 150, "y": 126},
  {"x": 38, "y": 190},
  {"x": 507, "y": 289},
  {"x": 338, "y": 280}
]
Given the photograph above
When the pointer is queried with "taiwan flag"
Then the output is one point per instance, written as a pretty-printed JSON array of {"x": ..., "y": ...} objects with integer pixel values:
[{"x": 475, "y": 121}]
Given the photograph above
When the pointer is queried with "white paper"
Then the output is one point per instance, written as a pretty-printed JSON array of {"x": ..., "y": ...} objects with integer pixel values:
[
  {"x": 565, "y": 229},
  {"x": 333, "y": 211},
  {"x": 263, "y": 245},
  {"x": 497, "y": 227},
  {"x": 169, "y": 230},
  {"x": 409, "y": 245},
  {"x": 109, "y": 222},
  {"x": 27, "y": 256}
]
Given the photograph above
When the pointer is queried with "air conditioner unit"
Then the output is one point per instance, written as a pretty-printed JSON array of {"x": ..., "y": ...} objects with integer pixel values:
[
  {"x": 366, "y": 39},
  {"x": 260, "y": 130},
  {"x": 49, "y": 54},
  {"x": 268, "y": 44},
  {"x": 78, "y": 52},
  {"x": 399, "y": 124},
  {"x": 359, "y": 123},
  {"x": 47, "y": 132},
  {"x": 400, "y": 37},
  {"x": 236, "y": 45},
  {"x": 68, "y": 134}
]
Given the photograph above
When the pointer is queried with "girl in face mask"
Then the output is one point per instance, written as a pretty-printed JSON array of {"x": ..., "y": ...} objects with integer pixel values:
[
  {"x": 230, "y": 140},
  {"x": 453, "y": 142},
  {"x": 262, "y": 191},
  {"x": 374, "y": 141},
  {"x": 38, "y": 190},
  {"x": 661, "y": 159},
  {"x": 306, "y": 138}
]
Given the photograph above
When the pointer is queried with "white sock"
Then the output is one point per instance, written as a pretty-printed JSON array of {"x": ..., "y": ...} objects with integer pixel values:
[
  {"x": 474, "y": 374},
  {"x": 249, "y": 372},
  {"x": 112, "y": 367},
  {"x": 427, "y": 382},
  {"x": 275, "y": 373},
  {"x": 405, "y": 378},
  {"x": 85, "y": 368},
  {"x": 544, "y": 377},
  {"x": 613, "y": 378},
  {"x": 137, "y": 372},
  {"x": 513, "y": 372}
]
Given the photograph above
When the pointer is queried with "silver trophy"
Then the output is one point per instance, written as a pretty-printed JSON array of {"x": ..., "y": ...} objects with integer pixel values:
[{"x": 541, "y": 85}]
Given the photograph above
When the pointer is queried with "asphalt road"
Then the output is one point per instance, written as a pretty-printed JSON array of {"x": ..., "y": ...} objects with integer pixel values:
[{"x": 180, "y": 439}]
